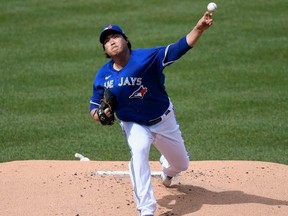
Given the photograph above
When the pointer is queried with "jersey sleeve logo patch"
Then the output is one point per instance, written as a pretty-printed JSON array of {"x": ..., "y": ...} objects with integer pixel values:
[{"x": 139, "y": 93}]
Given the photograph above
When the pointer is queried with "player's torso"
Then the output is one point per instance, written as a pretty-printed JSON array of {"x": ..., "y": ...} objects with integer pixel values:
[{"x": 138, "y": 87}]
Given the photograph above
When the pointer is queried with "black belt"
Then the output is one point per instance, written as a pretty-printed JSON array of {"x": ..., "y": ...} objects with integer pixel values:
[{"x": 157, "y": 120}]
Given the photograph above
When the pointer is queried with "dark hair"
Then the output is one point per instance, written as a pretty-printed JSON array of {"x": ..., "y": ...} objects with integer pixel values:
[{"x": 128, "y": 43}]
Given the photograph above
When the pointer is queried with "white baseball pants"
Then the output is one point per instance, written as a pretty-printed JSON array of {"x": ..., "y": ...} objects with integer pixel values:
[{"x": 166, "y": 137}]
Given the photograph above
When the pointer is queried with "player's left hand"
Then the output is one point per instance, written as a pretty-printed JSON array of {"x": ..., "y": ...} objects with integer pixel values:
[{"x": 205, "y": 22}]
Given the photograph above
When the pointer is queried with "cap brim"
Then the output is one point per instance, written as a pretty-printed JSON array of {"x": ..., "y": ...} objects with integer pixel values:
[{"x": 107, "y": 32}]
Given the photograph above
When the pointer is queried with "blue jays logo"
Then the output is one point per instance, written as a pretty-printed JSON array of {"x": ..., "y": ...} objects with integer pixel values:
[{"x": 139, "y": 93}]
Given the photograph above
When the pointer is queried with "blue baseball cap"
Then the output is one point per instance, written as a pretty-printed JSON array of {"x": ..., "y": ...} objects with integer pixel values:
[{"x": 110, "y": 29}]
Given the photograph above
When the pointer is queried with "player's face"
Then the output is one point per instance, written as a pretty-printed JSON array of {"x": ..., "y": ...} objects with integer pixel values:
[{"x": 115, "y": 44}]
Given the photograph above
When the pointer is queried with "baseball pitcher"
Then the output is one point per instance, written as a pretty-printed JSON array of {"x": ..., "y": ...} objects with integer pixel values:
[{"x": 131, "y": 87}]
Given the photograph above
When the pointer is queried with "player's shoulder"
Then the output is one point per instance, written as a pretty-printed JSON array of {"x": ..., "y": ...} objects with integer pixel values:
[{"x": 147, "y": 51}]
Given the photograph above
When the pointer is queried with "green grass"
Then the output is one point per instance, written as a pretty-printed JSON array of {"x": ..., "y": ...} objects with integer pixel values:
[{"x": 230, "y": 91}]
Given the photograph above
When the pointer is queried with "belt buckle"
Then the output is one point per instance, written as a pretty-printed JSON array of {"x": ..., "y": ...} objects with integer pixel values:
[{"x": 153, "y": 122}]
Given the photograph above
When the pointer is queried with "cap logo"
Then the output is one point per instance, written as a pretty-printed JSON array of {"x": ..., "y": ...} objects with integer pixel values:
[{"x": 108, "y": 27}]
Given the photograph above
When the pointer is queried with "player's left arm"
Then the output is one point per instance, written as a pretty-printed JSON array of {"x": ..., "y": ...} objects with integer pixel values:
[
  {"x": 202, "y": 25},
  {"x": 176, "y": 50}
]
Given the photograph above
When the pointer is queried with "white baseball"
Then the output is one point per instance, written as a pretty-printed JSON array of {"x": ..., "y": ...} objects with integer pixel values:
[{"x": 211, "y": 7}]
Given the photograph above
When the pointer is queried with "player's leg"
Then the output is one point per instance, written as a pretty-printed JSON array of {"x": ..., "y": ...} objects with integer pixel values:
[
  {"x": 139, "y": 140},
  {"x": 169, "y": 142}
]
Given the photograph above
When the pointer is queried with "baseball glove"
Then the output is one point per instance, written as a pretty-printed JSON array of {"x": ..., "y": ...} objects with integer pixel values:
[{"x": 108, "y": 101}]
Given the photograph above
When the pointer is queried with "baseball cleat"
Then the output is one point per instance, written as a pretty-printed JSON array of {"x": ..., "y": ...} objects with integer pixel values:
[
  {"x": 166, "y": 180},
  {"x": 164, "y": 162}
]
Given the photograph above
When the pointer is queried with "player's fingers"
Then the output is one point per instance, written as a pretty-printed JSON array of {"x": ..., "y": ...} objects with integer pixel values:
[
  {"x": 208, "y": 20},
  {"x": 107, "y": 112},
  {"x": 207, "y": 15}
]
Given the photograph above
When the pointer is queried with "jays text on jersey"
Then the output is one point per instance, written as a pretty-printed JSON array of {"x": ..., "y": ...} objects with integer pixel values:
[{"x": 139, "y": 86}]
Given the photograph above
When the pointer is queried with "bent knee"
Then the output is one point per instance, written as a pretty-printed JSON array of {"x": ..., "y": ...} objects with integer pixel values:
[{"x": 182, "y": 166}]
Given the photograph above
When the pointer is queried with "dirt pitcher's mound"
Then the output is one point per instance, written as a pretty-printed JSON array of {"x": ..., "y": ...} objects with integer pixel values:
[{"x": 71, "y": 188}]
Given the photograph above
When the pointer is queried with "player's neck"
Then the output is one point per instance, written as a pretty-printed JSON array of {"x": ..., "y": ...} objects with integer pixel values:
[{"x": 121, "y": 60}]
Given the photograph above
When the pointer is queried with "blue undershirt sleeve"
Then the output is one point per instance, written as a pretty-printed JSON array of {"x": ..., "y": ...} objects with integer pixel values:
[{"x": 175, "y": 51}]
